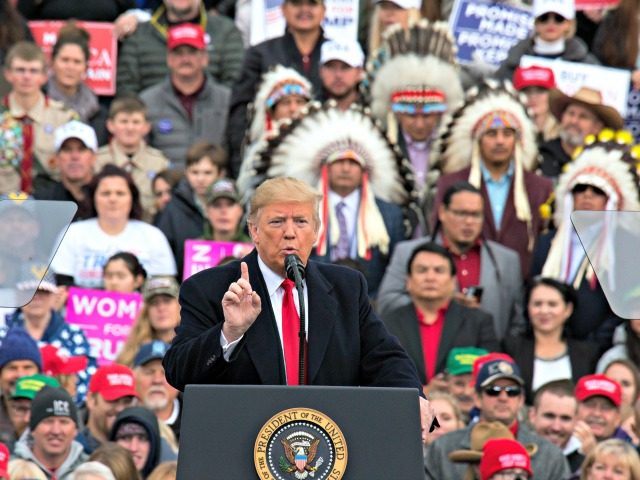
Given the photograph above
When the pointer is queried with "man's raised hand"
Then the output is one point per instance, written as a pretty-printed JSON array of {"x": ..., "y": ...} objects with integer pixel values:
[{"x": 241, "y": 306}]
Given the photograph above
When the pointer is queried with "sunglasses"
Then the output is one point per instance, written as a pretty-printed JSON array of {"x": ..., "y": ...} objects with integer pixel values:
[
  {"x": 511, "y": 391},
  {"x": 545, "y": 17},
  {"x": 581, "y": 188}
]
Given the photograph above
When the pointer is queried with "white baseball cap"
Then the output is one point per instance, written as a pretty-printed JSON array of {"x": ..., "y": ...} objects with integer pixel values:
[
  {"x": 566, "y": 8},
  {"x": 347, "y": 51},
  {"x": 79, "y": 130},
  {"x": 405, "y": 4}
]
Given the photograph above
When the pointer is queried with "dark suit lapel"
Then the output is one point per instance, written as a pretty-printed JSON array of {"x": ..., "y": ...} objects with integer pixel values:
[
  {"x": 263, "y": 334},
  {"x": 323, "y": 312},
  {"x": 406, "y": 324},
  {"x": 453, "y": 323}
]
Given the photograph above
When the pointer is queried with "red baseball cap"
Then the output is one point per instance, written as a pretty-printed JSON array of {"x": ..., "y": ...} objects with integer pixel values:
[
  {"x": 533, "y": 77},
  {"x": 54, "y": 362},
  {"x": 500, "y": 454},
  {"x": 113, "y": 382},
  {"x": 186, "y": 34},
  {"x": 599, "y": 386}
]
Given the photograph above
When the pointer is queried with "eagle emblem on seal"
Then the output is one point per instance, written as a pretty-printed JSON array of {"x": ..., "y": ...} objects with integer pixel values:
[{"x": 300, "y": 451}]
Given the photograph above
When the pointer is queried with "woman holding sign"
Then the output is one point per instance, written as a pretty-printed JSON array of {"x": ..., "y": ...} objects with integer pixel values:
[{"x": 89, "y": 243}]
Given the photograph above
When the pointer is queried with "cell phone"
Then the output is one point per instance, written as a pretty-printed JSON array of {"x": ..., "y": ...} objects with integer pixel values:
[{"x": 474, "y": 291}]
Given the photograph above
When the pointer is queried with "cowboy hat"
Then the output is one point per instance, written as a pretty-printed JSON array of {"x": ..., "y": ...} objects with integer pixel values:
[
  {"x": 589, "y": 98},
  {"x": 480, "y": 434}
]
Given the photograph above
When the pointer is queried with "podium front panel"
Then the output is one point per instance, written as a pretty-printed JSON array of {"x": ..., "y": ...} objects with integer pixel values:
[{"x": 221, "y": 424}]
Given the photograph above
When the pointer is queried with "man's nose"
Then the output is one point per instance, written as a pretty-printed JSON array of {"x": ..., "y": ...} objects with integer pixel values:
[{"x": 289, "y": 229}]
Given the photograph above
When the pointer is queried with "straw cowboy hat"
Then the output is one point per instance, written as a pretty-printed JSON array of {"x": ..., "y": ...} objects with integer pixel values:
[{"x": 588, "y": 98}]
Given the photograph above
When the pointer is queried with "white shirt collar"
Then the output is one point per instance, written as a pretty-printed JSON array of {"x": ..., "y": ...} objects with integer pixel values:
[
  {"x": 272, "y": 279},
  {"x": 352, "y": 200}
]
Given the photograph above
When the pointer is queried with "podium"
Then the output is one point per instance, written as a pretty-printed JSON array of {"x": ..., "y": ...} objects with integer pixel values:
[{"x": 298, "y": 433}]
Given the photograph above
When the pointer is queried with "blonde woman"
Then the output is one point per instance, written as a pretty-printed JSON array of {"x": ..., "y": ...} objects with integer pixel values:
[
  {"x": 611, "y": 459},
  {"x": 552, "y": 37},
  {"x": 448, "y": 413}
]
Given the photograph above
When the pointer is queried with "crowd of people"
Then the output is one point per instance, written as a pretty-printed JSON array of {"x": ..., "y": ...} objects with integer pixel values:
[{"x": 449, "y": 188}]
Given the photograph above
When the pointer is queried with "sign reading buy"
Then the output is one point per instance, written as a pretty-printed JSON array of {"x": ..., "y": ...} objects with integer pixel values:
[
  {"x": 103, "y": 47},
  {"x": 105, "y": 317}
]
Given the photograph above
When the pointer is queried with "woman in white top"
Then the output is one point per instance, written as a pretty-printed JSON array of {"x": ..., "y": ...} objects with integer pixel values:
[
  {"x": 115, "y": 227},
  {"x": 547, "y": 352}
]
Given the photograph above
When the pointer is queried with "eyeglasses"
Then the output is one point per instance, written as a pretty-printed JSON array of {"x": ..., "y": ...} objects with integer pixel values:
[
  {"x": 463, "y": 214},
  {"x": 545, "y": 17},
  {"x": 511, "y": 391}
]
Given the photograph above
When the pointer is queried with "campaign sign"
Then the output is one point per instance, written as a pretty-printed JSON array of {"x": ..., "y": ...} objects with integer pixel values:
[
  {"x": 105, "y": 317},
  {"x": 103, "y": 47},
  {"x": 202, "y": 254},
  {"x": 632, "y": 119},
  {"x": 596, "y": 4},
  {"x": 485, "y": 31},
  {"x": 612, "y": 83},
  {"x": 340, "y": 19}
]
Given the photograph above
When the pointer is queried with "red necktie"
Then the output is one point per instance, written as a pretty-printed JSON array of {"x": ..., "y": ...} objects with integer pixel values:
[{"x": 290, "y": 330}]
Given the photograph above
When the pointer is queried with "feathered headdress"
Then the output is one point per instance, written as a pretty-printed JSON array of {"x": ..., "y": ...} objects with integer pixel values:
[
  {"x": 304, "y": 148},
  {"x": 494, "y": 104},
  {"x": 415, "y": 70},
  {"x": 276, "y": 83},
  {"x": 610, "y": 167}
]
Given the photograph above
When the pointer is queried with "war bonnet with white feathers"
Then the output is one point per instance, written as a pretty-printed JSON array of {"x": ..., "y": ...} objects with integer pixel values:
[
  {"x": 493, "y": 105},
  {"x": 414, "y": 71},
  {"x": 276, "y": 83},
  {"x": 610, "y": 167},
  {"x": 306, "y": 146}
]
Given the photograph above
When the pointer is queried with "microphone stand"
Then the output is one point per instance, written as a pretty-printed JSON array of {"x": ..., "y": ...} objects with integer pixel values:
[{"x": 302, "y": 333}]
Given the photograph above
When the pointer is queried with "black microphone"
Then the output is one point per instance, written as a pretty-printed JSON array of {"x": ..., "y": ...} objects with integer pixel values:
[
  {"x": 294, "y": 268},
  {"x": 295, "y": 272}
]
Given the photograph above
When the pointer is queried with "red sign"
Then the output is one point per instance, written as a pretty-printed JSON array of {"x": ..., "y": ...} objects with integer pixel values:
[
  {"x": 101, "y": 74},
  {"x": 596, "y": 4}
]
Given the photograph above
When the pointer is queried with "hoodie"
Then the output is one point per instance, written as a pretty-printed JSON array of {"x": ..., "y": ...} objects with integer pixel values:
[
  {"x": 618, "y": 351},
  {"x": 75, "y": 458},
  {"x": 159, "y": 450}
]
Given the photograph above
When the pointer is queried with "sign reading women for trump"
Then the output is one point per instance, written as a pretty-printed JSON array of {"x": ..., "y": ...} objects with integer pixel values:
[
  {"x": 486, "y": 31},
  {"x": 105, "y": 317},
  {"x": 103, "y": 48},
  {"x": 202, "y": 254}
]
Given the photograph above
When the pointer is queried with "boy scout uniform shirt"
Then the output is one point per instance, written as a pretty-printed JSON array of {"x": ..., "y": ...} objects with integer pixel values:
[
  {"x": 142, "y": 166},
  {"x": 47, "y": 115}
]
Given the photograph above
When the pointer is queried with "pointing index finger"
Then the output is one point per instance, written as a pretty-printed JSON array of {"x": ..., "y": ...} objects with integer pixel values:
[{"x": 244, "y": 271}]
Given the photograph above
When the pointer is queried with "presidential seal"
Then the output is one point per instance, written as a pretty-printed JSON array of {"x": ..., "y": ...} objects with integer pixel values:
[{"x": 300, "y": 443}]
